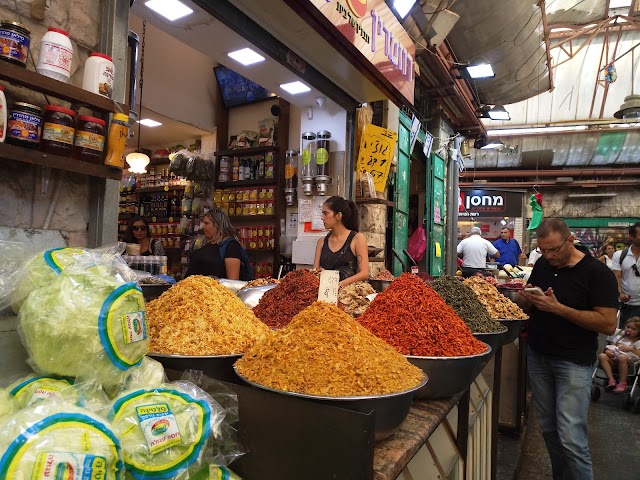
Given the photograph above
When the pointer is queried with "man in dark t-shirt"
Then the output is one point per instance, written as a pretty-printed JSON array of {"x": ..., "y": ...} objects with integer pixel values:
[{"x": 579, "y": 300}]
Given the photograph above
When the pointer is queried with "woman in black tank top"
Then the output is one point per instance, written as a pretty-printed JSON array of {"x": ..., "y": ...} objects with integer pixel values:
[{"x": 344, "y": 249}]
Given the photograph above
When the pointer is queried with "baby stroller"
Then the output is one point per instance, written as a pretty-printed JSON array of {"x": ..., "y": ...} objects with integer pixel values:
[{"x": 630, "y": 399}]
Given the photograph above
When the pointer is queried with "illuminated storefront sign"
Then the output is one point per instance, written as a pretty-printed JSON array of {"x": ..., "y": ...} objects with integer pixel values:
[{"x": 489, "y": 203}]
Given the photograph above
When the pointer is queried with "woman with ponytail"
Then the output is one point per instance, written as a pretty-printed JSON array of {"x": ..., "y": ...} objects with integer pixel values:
[{"x": 344, "y": 248}]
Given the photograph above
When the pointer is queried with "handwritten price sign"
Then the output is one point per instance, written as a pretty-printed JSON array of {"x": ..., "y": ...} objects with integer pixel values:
[
  {"x": 328, "y": 291},
  {"x": 376, "y": 151}
]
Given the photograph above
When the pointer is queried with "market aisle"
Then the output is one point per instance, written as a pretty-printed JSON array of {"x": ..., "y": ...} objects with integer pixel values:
[{"x": 613, "y": 439}]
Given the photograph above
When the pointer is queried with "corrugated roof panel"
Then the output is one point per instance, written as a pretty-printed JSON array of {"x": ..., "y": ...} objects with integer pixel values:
[
  {"x": 576, "y": 12},
  {"x": 631, "y": 149}
]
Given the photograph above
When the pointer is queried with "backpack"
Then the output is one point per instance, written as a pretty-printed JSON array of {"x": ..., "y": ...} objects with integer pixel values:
[
  {"x": 623, "y": 255},
  {"x": 246, "y": 270}
]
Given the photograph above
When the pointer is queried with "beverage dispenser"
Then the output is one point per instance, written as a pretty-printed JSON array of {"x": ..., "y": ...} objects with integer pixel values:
[
  {"x": 323, "y": 149},
  {"x": 308, "y": 163},
  {"x": 290, "y": 177}
]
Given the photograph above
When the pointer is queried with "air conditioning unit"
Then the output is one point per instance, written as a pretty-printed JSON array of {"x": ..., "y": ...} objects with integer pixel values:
[{"x": 441, "y": 23}]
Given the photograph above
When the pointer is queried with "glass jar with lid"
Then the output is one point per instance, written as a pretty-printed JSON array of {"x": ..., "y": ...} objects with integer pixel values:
[
  {"x": 88, "y": 144},
  {"x": 58, "y": 130}
]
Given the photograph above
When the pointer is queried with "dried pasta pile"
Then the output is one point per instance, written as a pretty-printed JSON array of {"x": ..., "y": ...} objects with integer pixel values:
[
  {"x": 323, "y": 351},
  {"x": 198, "y": 316},
  {"x": 353, "y": 298},
  {"x": 496, "y": 304}
]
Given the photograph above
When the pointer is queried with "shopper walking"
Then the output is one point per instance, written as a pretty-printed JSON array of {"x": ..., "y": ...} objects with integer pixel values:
[
  {"x": 579, "y": 300},
  {"x": 626, "y": 267},
  {"x": 508, "y": 247},
  {"x": 474, "y": 251},
  {"x": 606, "y": 254}
]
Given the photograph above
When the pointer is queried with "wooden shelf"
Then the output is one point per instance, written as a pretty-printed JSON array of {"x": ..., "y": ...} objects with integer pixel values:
[
  {"x": 376, "y": 201},
  {"x": 263, "y": 182},
  {"x": 166, "y": 188},
  {"x": 251, "y": 218},
  {"x": 64, "y": 91},
  {"x": 246, "y": 152},
  {"x": 36, "y": 157}
]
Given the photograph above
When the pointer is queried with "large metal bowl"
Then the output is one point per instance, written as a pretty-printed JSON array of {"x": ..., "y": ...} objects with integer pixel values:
[
  {"x": 251, "y": 296},
  {"x": 218, "y": 367},
  {"x": 233, "y": 285},
  {"x": 379, "y": 285},
  {"x": 391, "y": 409},
  {"x": 493, "y": 339},
  {"x": 514, "y": 326},
  {"x": 449, "y": 375},
  {"x": 511, "y": 293}
]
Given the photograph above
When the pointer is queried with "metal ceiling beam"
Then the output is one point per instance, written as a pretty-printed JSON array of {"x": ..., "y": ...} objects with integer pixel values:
[
  {"x": 543, "y": 185},
  {"x": 566, "y": 172}
]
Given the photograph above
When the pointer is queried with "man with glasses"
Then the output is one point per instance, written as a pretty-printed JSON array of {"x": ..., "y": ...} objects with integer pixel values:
[
  {"x": 578, "y": 301},
  {"x": 628, "y": 275}
]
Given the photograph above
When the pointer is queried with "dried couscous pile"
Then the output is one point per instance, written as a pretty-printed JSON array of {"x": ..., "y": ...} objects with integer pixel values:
[
  {"x": 323, "y": 351},
  {"x": 198, "y": 316}
]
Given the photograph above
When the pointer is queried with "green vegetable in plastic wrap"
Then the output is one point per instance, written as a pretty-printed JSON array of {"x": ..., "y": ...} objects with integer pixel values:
[
  {"x": 33, "y": 388},
  {"x": 87, "y": 321},
  {"x": 7, "y": 406},
  {"x": 59, "y": 440}
]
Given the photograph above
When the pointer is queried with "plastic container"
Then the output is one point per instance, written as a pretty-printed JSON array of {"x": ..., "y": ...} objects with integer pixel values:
[
  {"x": 15, "y": 40},
  {"x": 89, "y": 140},
  {"x": 3, "y": 115},
  {"x": 58, "y": 130},
  {"x": 98, "y": 74},
  {"x": 56, "y": 55},
  {"x": 24, "y": 125},
  {"x": 118, "y": 136}
]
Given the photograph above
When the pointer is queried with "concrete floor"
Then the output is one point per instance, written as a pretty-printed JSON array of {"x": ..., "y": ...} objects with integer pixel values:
[{"x": 614, "y": 441}]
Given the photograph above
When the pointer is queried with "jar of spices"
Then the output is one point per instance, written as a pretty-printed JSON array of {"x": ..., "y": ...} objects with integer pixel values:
[
  {"x": 15, "y": 40},
  {"x": 58, "y": 130},
  {"x": 24, "y": 125},
  {"x": 89, "y": 140}
]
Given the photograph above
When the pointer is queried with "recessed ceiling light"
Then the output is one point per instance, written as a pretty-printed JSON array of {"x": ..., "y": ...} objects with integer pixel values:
[
  {"x": 170, "y": 9},
  {"x": 295, "y": 87},
  {"x": 403, "y": 6},
  {"x": 246, "y": 56},
  {"x": 147, "y": 122},
  {"x": 481, "y": 70}
]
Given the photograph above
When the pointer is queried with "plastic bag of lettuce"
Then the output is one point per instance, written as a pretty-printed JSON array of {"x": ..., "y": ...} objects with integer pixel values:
[
  {"x": 56, "y": 439},
  {"x": 89, "y": 320}
]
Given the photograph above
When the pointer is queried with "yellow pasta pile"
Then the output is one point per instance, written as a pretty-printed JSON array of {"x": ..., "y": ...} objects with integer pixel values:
[
  {"x": 198, "y": 316},
  {"x": 323, "y": 351}
]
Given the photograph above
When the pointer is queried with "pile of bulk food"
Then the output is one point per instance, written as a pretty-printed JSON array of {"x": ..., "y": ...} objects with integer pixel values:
[
  {"x": 297, "y": 290},
  {"x": 384, "y": 274},
  {"x": 496, "y": 304},
  {"x": 462, "y": 299},
  {"x": 353, "y": 298},
  {"x": 411, "y": 316},
  {"x": 323, "y": 351},
  {"x": 198, "y": 316}
]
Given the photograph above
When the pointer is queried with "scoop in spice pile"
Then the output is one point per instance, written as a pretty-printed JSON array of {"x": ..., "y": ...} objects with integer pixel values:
[
  {"x": 297, "y": 290},
  {"x": 496, "y": 304},
  {"x": 412, "y": 317},
  {"x": 462, "y": 299},
  {"x": 198, "y": 316},
  {"x": 325, "y": 352}
]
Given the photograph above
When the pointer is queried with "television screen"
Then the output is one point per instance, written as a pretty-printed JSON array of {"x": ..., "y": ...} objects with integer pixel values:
[{"x": 238, "y": 90}]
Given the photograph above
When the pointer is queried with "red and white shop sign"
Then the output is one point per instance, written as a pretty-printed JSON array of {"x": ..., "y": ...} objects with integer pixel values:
[{"x": 373, "y": 29}]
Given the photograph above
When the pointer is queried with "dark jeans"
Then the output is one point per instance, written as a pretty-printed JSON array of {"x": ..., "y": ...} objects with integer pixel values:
[
  {"x": 628, "y": 311},
  {"x": 470, "y": 272}
]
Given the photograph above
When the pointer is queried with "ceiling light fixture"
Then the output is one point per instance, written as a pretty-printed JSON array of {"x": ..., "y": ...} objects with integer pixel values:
[
  {"x": 403, "y": 7},
  {"x": 169, "y": 9},
  {"x": 631, "y": 105},
  {"x": 480, "y": 68},
  {"x": 499, "y": 113},
  {"x": 507, "y": 132},
  {"x": 147, "y": 122},
  {"x": 484, "y": 143},
  {"x": 295, "y": 87},
  {"x": 137, "y": 160},
  {"x": 246, "y": 56}
]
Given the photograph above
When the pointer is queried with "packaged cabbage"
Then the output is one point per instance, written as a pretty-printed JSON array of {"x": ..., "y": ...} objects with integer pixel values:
[
  {"x": 88, "y": 321},
  {"x": 166, "y": 432},
  {"x": 59, "y": 440},
  {"x": 33, "y": 388},
  {"x": 7, "y": 406}
]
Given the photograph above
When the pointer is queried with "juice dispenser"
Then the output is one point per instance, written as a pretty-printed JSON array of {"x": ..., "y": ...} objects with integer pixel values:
[
  {"x": 308, "y": 163},
  {"x": 290, "y": 177},
  {"x": 322, "y": 161}
]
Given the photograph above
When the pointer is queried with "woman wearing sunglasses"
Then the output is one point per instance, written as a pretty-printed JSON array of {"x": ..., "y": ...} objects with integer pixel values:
[{"x": 138, "y": 232}]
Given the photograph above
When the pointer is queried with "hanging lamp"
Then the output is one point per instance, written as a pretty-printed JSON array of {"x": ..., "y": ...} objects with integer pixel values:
[
  {"x": 631, "y": 106},
  {"x": 137, "y": 160}
]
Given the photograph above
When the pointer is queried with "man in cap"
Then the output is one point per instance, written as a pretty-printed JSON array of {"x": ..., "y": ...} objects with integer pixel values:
[{"x": 473, "y": 251}]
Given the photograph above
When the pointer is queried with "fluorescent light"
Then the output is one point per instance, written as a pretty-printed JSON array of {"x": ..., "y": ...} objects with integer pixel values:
[
  {"x": 493, "y": 145},
  {"x": 403, "y": 7},
  {"x": 499, "y": 113},
  {"x": 147, "y": 122},
  {"x": 591, "y": 195},
  {"x": 170, "y": 9},
  {"x": 535, "y": 130},
  {"x": 246, "y": 56},
  {"x": 619, "y": 3},
  {"x": 560, "y": 29},
  {"x": 482, "y": 70},
  {"x": 295, "y": 87}
]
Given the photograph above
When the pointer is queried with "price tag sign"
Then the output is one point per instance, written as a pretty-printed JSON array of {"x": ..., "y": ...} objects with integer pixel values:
[
  {"x": 328, "y": 291},
  {"x": 376, "y": 151}
]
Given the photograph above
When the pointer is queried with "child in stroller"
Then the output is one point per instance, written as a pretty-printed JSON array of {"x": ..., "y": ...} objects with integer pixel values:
[{"x": 623, "y": 350}]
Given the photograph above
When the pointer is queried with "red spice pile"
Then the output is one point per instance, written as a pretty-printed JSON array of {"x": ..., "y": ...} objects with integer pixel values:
[
  {"x": 413, "y": 318},
  {"x": 297, "y": 290}
]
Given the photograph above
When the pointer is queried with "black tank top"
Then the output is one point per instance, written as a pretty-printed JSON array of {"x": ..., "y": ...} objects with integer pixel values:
[{"x": 343, "y": 260}]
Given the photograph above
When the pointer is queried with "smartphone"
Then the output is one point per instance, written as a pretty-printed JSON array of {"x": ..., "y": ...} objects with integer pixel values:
[{"x": 534, "y": 291}]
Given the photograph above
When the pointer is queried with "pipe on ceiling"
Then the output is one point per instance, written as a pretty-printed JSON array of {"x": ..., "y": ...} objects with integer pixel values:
[{"x": 570, "y": 172}]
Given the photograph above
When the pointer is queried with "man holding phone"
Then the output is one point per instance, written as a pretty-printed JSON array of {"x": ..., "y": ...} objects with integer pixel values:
[{"x": 578, "y": 301}]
